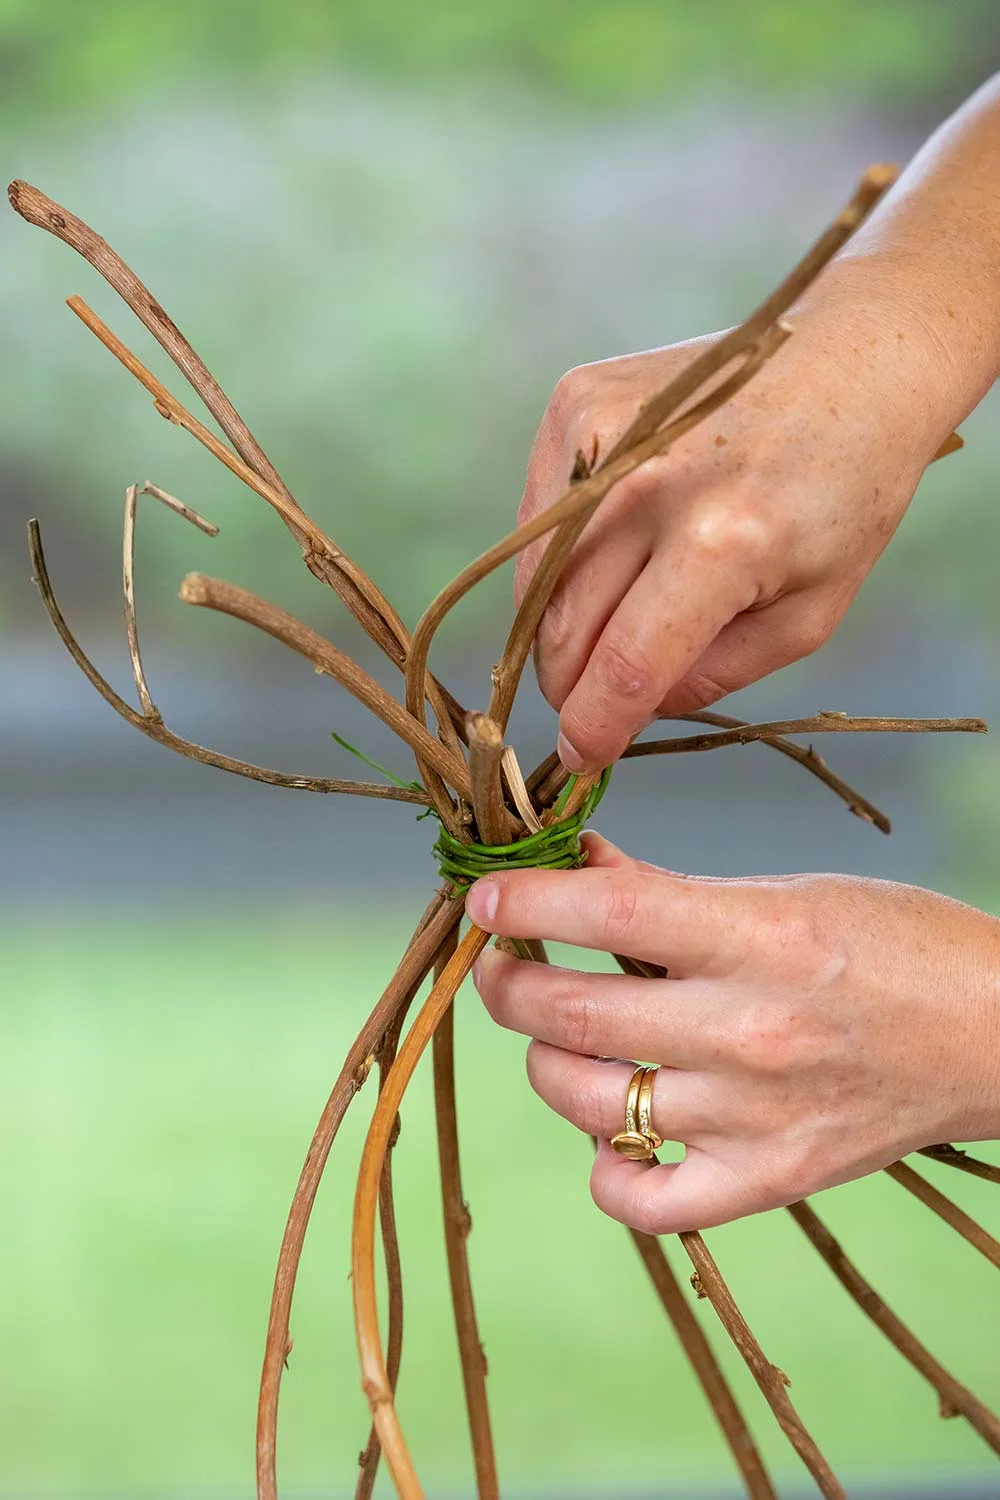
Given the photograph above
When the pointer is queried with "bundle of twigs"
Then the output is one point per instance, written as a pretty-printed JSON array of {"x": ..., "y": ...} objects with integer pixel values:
[{"x": 472, "y": 783}]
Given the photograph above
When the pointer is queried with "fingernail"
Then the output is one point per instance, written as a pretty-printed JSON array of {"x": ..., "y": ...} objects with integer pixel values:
[
  {"x": 482, "y": 901},
  {"x": 569, "y": 755}
]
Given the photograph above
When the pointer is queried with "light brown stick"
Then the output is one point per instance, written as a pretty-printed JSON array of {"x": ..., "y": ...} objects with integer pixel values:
[
  {"x": 375, "y": 1381},
  {"x": 824, "y": 723},
  {"x": 706, "y": 1367},
  {"x": 440, "y": 918},
  {"x": 771, "y": 1381},
  {"x": 955, "y": 1398},
  {"x": 960, "y": 1221},
  {"x": 951, "y": 1156},
  {"x": 457, "y": 1228},
  {"x": 369, "y": 1459},
  {"x": 494, "y": 822}
]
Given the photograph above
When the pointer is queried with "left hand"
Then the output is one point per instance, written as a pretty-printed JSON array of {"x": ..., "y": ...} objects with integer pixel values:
[{"x": 814, "y": 1028}]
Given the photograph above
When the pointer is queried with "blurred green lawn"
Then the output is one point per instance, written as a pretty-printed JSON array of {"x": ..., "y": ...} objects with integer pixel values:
[{"x": 160, "y": 1076}]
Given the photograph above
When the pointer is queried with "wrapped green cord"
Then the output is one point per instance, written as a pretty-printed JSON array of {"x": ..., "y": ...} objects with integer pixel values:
[{"x": 554, "y": 848}]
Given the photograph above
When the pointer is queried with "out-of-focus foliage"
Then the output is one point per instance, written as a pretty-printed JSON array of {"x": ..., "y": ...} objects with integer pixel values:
[{"x": 59, "y": 53}]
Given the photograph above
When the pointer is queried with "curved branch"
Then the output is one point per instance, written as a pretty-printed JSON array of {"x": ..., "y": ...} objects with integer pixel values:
[
  {"x": 153, "y": 727},
  {"x": 375, "y": 1380},
  {"x": 437, "y": 922},
  {"x": 457, "y": 1228},
  {"x": 369, "y": 1459}
]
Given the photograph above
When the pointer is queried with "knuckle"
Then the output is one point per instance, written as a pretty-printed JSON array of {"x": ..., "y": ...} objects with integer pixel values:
[
  {"x": 573, "y": 1014},
  {"x": 731, "y": 529},
  {"x": 571, "y": 396},
  {"x": 624, "y": 669},
  {"x": 621, "y": 900}
]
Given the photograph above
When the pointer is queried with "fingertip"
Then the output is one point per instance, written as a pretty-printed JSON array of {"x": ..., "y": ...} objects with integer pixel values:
[
  {"x": 601, "y": 853},
  {"x": 569, "y": 755},
  {"x": 481, "y": 902}
]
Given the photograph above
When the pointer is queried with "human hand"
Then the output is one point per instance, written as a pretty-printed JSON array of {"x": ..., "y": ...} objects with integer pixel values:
[
  {"x": 814, "y": 1028},
  {"x": 739, "y": 550}
]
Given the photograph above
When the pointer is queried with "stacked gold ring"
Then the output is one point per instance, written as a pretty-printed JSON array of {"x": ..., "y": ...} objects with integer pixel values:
[{"x": 638, "y": 1140}]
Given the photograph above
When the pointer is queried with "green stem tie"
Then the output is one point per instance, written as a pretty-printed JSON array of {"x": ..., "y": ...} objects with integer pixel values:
[{"x": 554, "y": 848}]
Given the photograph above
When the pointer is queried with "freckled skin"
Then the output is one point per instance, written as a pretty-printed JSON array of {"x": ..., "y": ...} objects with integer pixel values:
[
  {"x": 740, "y": 550},
  {"x": 813, "y": 1028}
]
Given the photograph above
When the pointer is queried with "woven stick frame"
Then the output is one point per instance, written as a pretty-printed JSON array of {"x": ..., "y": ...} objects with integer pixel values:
[{"x": 472, "y": 781}]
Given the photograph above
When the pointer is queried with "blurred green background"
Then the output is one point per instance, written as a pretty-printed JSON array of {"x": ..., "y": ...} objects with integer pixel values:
[{"x": 389, "y": 228}]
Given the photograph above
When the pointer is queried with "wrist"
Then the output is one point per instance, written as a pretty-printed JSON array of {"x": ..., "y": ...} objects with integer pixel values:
[{"x": 920, "y": 353}]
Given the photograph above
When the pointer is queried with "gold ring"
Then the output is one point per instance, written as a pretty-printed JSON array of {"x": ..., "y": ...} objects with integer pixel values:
[{"x": 638, "y": 1140}]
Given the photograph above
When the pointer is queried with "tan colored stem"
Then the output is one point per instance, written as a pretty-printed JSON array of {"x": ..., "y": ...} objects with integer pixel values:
[
  {"x": 706, "y": 1367},
  {"x": 955, "y": 1398},
  {"x": 494, "y": 823},
  {"x": 951, "y": 1156},
  {"x": 128, "y": 575},
  {"x": 978, "y": 1237},
  {"x": 457, "y": 1228},
  {"x": 230, "y": 599},
  {"x": 369, "y": 1459},
  {"x": 441, "y": 917},
  {"x": 375, "y": 1380},
  {"x": 771, "y": 1381},
  {"x": 826, "y": 723}
]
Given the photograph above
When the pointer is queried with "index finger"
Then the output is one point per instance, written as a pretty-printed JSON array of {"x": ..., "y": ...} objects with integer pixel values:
[{"x": 692, "y": 927}]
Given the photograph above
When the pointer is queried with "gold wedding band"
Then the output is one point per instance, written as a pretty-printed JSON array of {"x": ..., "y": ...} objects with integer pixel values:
[{"x": 638, "y": 1140}]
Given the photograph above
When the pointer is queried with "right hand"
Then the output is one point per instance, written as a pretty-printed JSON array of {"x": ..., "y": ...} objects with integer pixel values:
[{"x": 740, "y": 550}]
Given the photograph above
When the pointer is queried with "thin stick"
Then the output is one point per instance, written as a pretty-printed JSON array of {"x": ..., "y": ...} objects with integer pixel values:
[
  {"x": 457, "y": 1228},
  {"x": 494, "y": 822},
  {"x": 322, "y": 556},
  {"x": 375, "y": 1381},
  {"x": 955, "y": 1399},
  {"x": 772, "y": 1381},
  {"x": 354, "y": 587},
  {"x": 706, "y": 1367},
  {"x": 152, "y": 726},
  {"x": 874, "y": 183},
  {"x": 439, "y": 919},
  {"x": 369, "y": 1458},
  {"x": 951, "y": 1156},
  {"x": 518, "y": 790},
  {"x": 128, "y": 573},
  {"x": 230, "y": 599},
  {"x": 823, "y": 723},
  {"x": 945, "y": 1209},
  {"x": 805, "y": 756}
]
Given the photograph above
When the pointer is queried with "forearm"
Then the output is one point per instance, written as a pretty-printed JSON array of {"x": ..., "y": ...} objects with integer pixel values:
[{"x": 926, "y": 266}]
